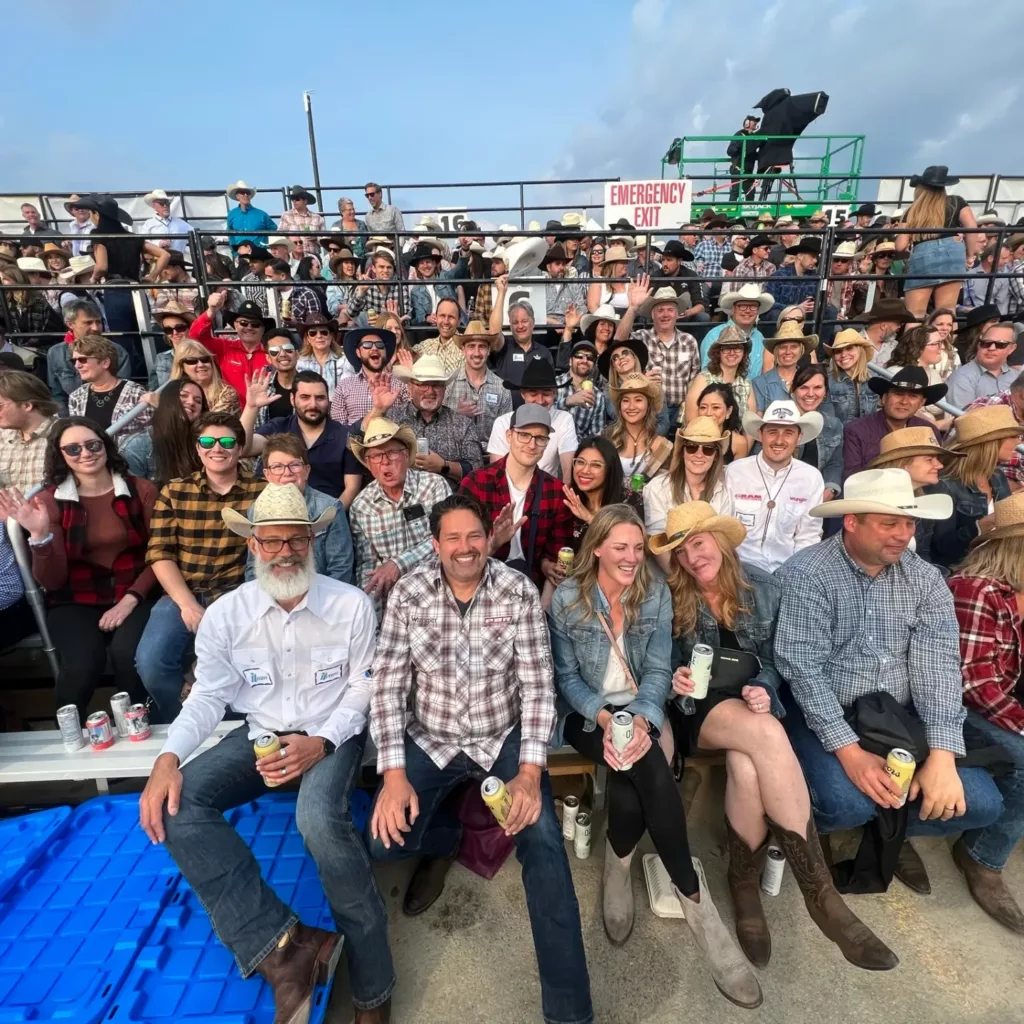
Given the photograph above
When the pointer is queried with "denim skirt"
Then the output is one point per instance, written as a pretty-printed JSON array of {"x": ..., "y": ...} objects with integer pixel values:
[{"x": 934, "y": 262}]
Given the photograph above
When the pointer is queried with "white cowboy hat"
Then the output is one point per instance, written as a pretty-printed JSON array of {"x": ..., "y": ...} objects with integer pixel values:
[
  {"x": 232, "y": 190},
  {"x": 845, "y": 251},
  {"x": 749, "y": 292},
  {"x": 886, "y": 492},
  {"x": 33, "y": 265},
  {"x": 524, "y": 257},
  {"x": 277, "y": 505},
  {"x": 77, "y": 266},
  {"x": 784, "y": 414},
  {"x": 278, "y": 240},
  {"x": 427, "y": 369},
  {"x": 604, "y": 312},
  {"x": 572, "y": 220},
  {"x": 157, "y": 193}
]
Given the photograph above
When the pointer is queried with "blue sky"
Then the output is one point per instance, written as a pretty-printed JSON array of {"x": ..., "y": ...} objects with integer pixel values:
[{"x": 457, "y": 91}]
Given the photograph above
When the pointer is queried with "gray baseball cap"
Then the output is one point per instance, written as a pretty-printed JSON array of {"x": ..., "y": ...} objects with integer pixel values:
[{"x": 531, "y": 415}]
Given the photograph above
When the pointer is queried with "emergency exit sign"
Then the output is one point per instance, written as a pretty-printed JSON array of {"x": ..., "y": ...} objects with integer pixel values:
[{"x": 659, "y": 203}]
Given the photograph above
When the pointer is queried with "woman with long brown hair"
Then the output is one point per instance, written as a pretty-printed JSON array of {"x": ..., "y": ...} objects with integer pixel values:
[
  {"x": 922, "y": 346},
  {"x": 732, "y": 608},
  {"x": 943, "y": 320},
  {"x": 728, "y": 363},
  {"x": 642, "y": 450}
]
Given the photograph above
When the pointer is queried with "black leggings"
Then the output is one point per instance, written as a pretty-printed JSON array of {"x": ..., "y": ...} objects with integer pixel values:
[{"x": 643, "y": 799}]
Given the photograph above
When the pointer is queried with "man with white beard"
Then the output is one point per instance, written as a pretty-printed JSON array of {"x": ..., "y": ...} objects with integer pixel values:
[{"x": 291, "y": 651}]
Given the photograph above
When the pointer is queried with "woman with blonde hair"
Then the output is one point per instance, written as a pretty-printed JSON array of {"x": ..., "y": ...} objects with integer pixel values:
[
  {"x": 986, "y": 436},
  {"x": 849, "y": 375},
  {"x": 196, "y": 363},
  {"x": 937, "y": 262},
  {"x": 731, "y": 607},
  {"x": 611, "y": 635},
  {"x": 613, "y": 293},
  {"x": 642, "y": 450}
]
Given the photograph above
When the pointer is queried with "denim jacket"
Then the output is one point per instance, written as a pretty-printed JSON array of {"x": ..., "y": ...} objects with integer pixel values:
[
  {"x": 952, "y": 537},
  {"x": 845, "y": 393},
  {"x": 582, "y": 650},
  {"x": 755, "y": 631},
  {"x": 419, "y": 295}
]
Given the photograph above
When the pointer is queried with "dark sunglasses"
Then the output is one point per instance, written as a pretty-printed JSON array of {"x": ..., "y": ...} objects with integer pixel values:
[
  {"x": 317, "y": 332},
  {"x": 240, "y": 321},
  {"x": 691, "y": 448},
  {"x": 370, "y": 195},
  {"x": 192, "y": 360},
  {"x": 1001, "y": 345},
  {"x": 584, "y": 355},
  {"x": 80, "y": 359},
  {"x": 334, "y": 248},
  {"x": 373, "y": 344},
  {"x": 275, "y": 350},
  {"x": 227, "y": 443},
  {"x": 74, "y": 450},
  {"x": 176, "y": 329}
]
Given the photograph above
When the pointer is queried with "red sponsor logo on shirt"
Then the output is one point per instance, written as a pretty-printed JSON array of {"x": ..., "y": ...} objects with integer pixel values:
[{"x": 749, "y": 497}]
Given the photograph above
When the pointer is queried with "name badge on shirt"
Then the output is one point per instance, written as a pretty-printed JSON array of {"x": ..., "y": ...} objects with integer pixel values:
[
  {"x": 491, "y": 399},
  {"x": 746, "y": 518},
  {"x": 518, "y": 357},
  {"x": 257, "y": 677},
  {"x": 327, "y": 675},
  {"x": 416, "y": 511}
]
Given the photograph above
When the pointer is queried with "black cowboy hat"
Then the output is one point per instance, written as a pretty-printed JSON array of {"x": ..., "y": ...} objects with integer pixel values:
[
  {"x": 635, "y": 345},
  {"x": 677, "y": 249},
  {"x": 257, "y": 252},
  {"x": 864, "y": 210},
  {"x": 318, "y": 320},
  {"x": 351, "y": 341},
  {"x": 423, "y": 251},
  {"x": 887, "y": 309},
  {"x": 326, "y": 240},
  {"x": 106, "y": 206},
  {"x": 755, "y": 242},
  {"x": 298, "y": 192},
  {"x": 913, "y": 379},
  {"x": 715, "y": 223},
  {"x": 621, "y": 225},
  {"x": 556, "y": 254},
  {"x": 982, "y": 315},
  {"x": 539, "y": 373},
  {"x": 469, "y": 225},
  {"x": 811, "y": 246},
  {"x": 553, "y": 225},
  {"x": 251, "y": 311},
  {"x": 935, "y": 176}
]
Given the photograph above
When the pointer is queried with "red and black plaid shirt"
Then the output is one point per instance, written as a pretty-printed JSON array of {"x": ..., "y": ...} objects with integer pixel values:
[
  {"x": 554, "y": 527},
  {"x": 990, "y": 642}
]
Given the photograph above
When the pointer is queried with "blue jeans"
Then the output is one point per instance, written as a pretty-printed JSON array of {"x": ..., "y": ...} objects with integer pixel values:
[
  {"x": 166, "y": 647},
  {"x": 992, "y": 846},
  {"x": 838, "y": 804},
  {"x": 119, "y": 309},
  {"x": 540, "y": 849},
  {"x": 246, "y": 913}
]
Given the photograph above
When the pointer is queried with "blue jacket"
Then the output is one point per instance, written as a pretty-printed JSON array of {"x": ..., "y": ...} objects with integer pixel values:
[
  {"x": 844, "y": 395},
  {"x": 952, "y": 537},
  {"x": 755, "y": 631},
  {"x": 789, "y": 289},
  {"x": 253, "y": 221},
  {"x": 582, "y": 650},
  {"x": 419, "y": 296}
]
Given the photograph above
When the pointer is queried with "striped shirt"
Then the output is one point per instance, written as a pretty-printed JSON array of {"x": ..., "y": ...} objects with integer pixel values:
[
  {"x": 352, "y": 399},
  {"x": 492, "y": 398},
  {"x": 187, "y": 529}
]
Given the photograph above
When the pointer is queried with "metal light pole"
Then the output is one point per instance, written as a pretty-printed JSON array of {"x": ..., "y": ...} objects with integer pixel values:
[{"x": 307, "y": 103}]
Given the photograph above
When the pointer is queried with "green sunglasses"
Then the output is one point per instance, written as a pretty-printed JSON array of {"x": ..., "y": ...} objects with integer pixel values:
[{"x": 227, "y": 443}]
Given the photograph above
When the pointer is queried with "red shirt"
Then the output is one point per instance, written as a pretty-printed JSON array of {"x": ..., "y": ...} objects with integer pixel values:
[{"x": 235, "y": 361}]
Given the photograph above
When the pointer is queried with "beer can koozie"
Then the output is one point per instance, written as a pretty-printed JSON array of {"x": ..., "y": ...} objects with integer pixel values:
[
  {"x": 570, "y": 808},
  {"x": 70, "y": 728},
  {"x": 119, "y": 704},
  {"x": 774, "y": 867},
  {"x": 701, "y": 658},
  {"x": 101, "y": 735},
  {"x": 581, "y": 841},
  {"x": 136, "y": 720},
  {"x": 496, "y": 795},
  {"x": 622, "y": 733},
  {"x": 267, "y": 743}
]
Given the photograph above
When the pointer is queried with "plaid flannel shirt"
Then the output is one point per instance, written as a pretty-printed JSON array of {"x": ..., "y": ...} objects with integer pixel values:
[
  {"x": 352, "y": 399},
  {"x": 709, "y": 253},
  {"x": 1014, "y": 466},
  {"x": 483, "y": 303},
  {"x": 590, "y": 420},
  {"x": 990, "y": 643},
  {"x": 492, "y": 398},
  {"x": 131, "y": 395},
  {"x": 466, "y": 680},
  {"x": 1015, "y": 291},
  {"x": 292, "y": 222},
  {"x": 376, "y": 297},
  {"x": 447, "y": 351},
  {"x": 679, "y": 361},
  {"x": 187, "y": 529},
  {"x": 21, "y": 461},
  {"x": 746, "y": 268},
  {"x": 449, "y": 434}
]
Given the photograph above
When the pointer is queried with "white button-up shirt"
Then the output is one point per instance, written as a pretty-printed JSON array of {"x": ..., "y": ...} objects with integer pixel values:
[
  {"x": 307, "y": 670},
  {"x": 167, "y": 226},
  {"x": 773, "y": 534},
  {"x": 79, "y": 245}
]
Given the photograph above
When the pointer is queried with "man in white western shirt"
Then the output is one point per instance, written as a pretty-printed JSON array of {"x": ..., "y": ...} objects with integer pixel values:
[
  {"x": 772, "y": 492},
  {"x": 292, "y": 651}
]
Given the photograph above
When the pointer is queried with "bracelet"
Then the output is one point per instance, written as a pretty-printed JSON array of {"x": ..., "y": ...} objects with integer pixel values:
[{"x": 40, "y": 543}]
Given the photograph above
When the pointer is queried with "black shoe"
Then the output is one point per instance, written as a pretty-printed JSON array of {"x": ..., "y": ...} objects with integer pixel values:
[
  {"x": 910, "y": 870},
  {"x": 427, "y": 883}
]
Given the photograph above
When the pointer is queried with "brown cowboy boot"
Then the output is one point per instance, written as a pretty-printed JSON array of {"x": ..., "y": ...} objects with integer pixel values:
[
  {"x": 378, "y": 1015},
  {"x": 989, "y": 890},
  {"x": 836, "y": 920},
  {"x": 305, "y": 957},
  {"x": 744, "y": 875}
]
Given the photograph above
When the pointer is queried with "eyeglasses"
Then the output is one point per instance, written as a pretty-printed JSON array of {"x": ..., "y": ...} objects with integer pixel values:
[
  {"x": 379, "y": 458},
  {"x": 691, "y": 448},
  {"x": 317, "y": 332},
  {"x": 373, "y": 344},
  {"x": 283, "y": 467},
  {"x": 80, "y": 359},
  {"x": 227, "y": 443},
  {"x": 594, "y": 467},
  {"x": 276, "y": 350},
  {"x": 531, "y": 440},
  {"x": 1000, "y": 345},
  {"x": 74, "y": 450},
  {"x": 273, "y": 545},
  {"x": 193, "y": 360},
  {"x": 622, "y": 353},
  {"x": 241, "y": 321}
]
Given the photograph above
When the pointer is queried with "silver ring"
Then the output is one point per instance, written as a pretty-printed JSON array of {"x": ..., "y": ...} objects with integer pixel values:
[{"x": 284, "y": 771}]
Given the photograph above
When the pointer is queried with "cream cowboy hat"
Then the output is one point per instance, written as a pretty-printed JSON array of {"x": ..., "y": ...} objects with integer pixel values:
[
  {"x": 987, "y": 423},
  {"x": 77, "y": 266},
  {"x": 33, "y": 265},
  {"x": 703, "y": 430},
  {"x": 277, "y": 505},
  {"x": 1009, "y": 520},
  {"x": 908, "y": 442},
  {"x": 232, "y": 190},
  {"x": 378, "y": 432},
  {"x": 885, "y": 492},
  {"x": 605, "y": 312},
  {"x": 666, "y": 294},
  {"x": 476, "y": 331},
  {"x": 844, "y": 251},
  {"x": 637, "y": 383},
  {"x": 684, "y": 521},
  {"x": 159, "y": 193},
  {"x": 747, "y": 293},
  {"x": 615, "y": 254},
  {"x": 784, "y": 414},
  {"x": 789, "y": 330},
  {"x": 427, "y": 369},
  {"x": 847, "y": 338}
]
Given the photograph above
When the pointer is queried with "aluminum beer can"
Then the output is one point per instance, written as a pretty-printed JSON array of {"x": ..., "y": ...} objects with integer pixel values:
[
  {"x": 70, "y": 726},
  {"x": 587, "y": 385},
  {"x": 774, "y": 867},
  {"x": 701, "y": 658},
  {"x": 900, "y": 764},
  {"x": 622, "y": 733},
  {"x": 101, "y": 735},
  {"x": 566, "y": 556},
  {"x": 581, "y": 841},
  {"x": 496, "y": 795},
  {"x": 119, "y": 704},
  {"x": 136, "y": 720},
  {"x": 422, "y": 446},
  {"x": 267, "y": 743},
  {"x": 570, "y": 808}
]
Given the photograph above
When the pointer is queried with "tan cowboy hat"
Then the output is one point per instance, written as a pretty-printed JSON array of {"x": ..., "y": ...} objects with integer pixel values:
[
  {"x": 987, "y": 423},
  {"x": 883, "y": 246},
  {"x": 159, "y": 193},
  {"x": 427, "y": 369},
  {"x": 72, "y": 201},
  {"x": 884, "y": 492},
  {"x": 175, "y": 309},
  {"x": 847, "y": 338},
  {"x": 615, "y": 254},
  {"x": 232, "y": 190},
  {"x": 1009, "y": 520},
  {"x": 637, "y": 383},
  {"x": 666, "y": 294},
  {"x": 684, "y": 521},
  {"x": 77, "y": 266},
  {"x": 55, "y": 249},
  {"x": 703, "y": 430},
  {"x": 749, "y": 292},
  {"x": 277, "y": 505},
  {"x": 476, "y": 331},
  {"x": 731, "y": 335},
  {"x": 790, "y": 331},
  {"x": 378, "y": 432},
  {"x": 908, "y": 442}
]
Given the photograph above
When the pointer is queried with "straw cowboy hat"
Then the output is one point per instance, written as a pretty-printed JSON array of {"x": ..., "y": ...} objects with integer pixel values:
[
  {"x": 33, "y": 265},
  {"x": 54, "y": 249},
  {"x": 72, "y": 202},
  {"x": 791, "y": 331},
  {"x": 784, "y": 414},
  {"x": 605, "y": 312},
  {"x": 666, "y": 294},
  {"x": 175, "y": 309},
  {"x": 1009, "y": 520},
  {"x": 694, "y": 517},
  {"x": 378, "y": 432},
  {"x": 277, "y": 505},
  {"x": 731, "y": 335},
  {"x": 908, "y": 442},
  {"x": 477, "y": 331},
  {"x": 847, "y": 338},
  {"x": 615, "y": 254},
  {"x": 278, "y": 240},
  {"x": 635, "y": 345},
  {"x": 704, "y": 430},
  {"x": 572, "y": 220},
  {"x": 427, "y": 369},
  {"x": 884, "y": 492},
  {"x": 844, "y": 251},
  {"x": 232, "y": 190},
  {"x": 157, "y": 193},
  {"x": 637, "y": 383},
  {"x": 77, "y": 266},
  {"x": 883, "y": 247},
  {"x": 747, "y": 293},
  {"x": 988, "y": 423}
]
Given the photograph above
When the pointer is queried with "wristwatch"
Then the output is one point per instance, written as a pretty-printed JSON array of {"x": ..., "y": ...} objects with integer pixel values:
[{"x": 329, "y": 747}]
